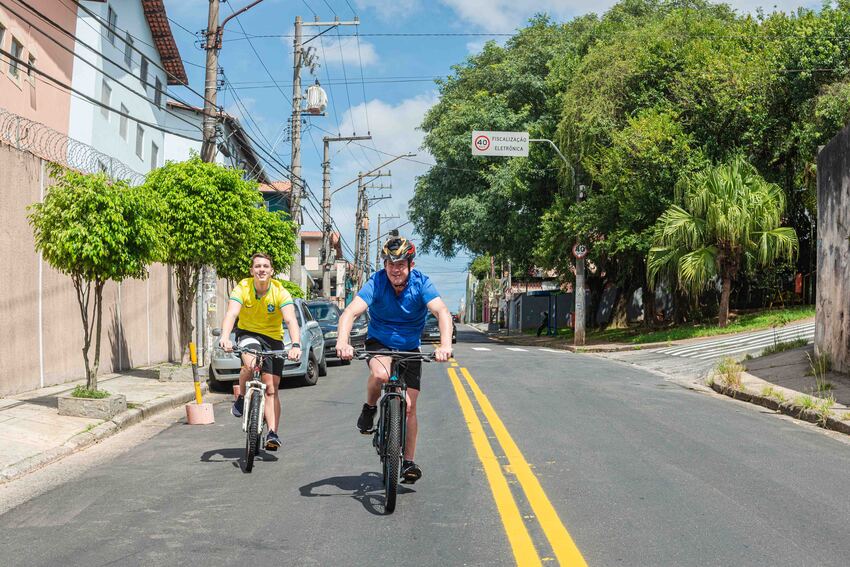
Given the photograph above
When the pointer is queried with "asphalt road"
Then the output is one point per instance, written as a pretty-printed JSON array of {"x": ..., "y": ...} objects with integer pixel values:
[{"x": 529, "y": 456}]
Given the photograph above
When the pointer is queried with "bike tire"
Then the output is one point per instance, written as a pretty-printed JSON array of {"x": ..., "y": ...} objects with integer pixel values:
[
  {"x": 253, "y": 436},
  {"x": 392, "y": 460}
]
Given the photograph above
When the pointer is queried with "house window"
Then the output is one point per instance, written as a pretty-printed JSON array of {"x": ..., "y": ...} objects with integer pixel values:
[
  {"x": 157, "y": 96},
  {"x": 140, "y": 141},
  {"x": 122, "y": 122},
  {"x": 128, "y": 51},
  {"x": 154, "y": 155},
  {"x": 2, "y": 37},
  {"x": 17, "y": 52},
  {"x": 112, "y": 24},
  {"x": 105, "y": 96},
  {"x": 143, "y": 73}
]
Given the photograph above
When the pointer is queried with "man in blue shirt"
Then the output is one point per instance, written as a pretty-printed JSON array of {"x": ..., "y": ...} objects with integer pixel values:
[{"x": 398, "y": 299}]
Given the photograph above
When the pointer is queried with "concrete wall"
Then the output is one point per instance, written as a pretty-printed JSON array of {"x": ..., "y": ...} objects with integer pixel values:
[
  {"x": 88, "y": 123},
  {"x": 832, "y": 329},
  {"x": 32, "y": 96},
  {"x": 42, "y": 334}
]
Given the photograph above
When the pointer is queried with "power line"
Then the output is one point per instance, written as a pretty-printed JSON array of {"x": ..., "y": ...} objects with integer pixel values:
[
  {"x": 96, "y": 102},
  {"x": 424, "y": 34}
]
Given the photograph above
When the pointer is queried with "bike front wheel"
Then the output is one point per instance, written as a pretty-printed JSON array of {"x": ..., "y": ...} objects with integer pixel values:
[
  {"x": 392, "y": 459},
  {"x": 252, "y": 440}
]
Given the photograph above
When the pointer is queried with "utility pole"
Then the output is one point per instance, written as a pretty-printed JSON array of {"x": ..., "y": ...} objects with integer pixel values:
[
  {"x": 295, "y": 274},
  {"x": 579, "y": 290},
  {"x": 365, "y": 202},
  {"x": 378, "y": 239},
  {"x": 327, "y": 261},
  {"x": 207, "y": 281}
]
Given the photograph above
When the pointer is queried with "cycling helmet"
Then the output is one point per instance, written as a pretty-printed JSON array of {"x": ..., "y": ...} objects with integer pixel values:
[{"x": 398, "y": 248}]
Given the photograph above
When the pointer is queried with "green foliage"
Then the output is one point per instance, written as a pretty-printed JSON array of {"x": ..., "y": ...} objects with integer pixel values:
[
  {"x": 91, "y": 228},
  {"x": 80, "y": 391},
  {"x": 480, "y": 267},
  {"x": 729, "y": 371},
  {"x": 270, "y": 233},
  {"x": 207, "y": 209},
  {"x": 293, "y": 288},
  {"x": 782, "y": 346}
]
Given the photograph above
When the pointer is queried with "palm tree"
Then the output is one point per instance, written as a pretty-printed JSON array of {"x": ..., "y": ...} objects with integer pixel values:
[{"x": 729, "y": 220}]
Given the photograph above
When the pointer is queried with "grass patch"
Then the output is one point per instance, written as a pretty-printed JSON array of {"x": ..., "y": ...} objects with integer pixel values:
[
  {"x": 773, "y": 394},
  {"x": 728, "y": 371},
  {"x": 83, "y": 392},
  {"x": 784, "y": 345},
  {"x": 744, "y": 322},
  {"x": 131, "y": 405},
  {"x": 805, "y": 402}
]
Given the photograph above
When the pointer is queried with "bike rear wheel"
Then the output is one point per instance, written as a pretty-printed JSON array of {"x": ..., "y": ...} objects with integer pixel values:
[
  {"x": 392, "y": 459},
  {"x": 252, "y": 440}
]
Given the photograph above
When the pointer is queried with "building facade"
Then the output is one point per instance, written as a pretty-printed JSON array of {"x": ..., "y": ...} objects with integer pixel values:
[
  {"x": 34, "y": 41},
  {"x": 125, "y": 57}
]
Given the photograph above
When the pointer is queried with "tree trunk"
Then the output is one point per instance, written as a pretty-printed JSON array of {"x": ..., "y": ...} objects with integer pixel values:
[
  {"x": 98, "y": 312},
  {"x": 187, "y": 284},
  {"x": 83, "y": 290},
  {"x": 648, "y": 306},
  {"x": 620, "y": 314},
  {"x": 725, "y": 293},
  {"x": 681, "y": 304}
]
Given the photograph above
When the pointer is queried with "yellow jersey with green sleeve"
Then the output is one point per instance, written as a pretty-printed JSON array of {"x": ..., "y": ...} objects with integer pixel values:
[{"x": 264, "y": 314}]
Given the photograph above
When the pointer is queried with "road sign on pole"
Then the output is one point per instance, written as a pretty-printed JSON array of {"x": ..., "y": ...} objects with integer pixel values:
[
  {"x": 505, "y": 144},
  {"x": 579, "y": 251}
]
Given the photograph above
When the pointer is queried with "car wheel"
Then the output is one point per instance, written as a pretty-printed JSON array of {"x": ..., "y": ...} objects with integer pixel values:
[
  {"x": 217, "y": 385},
  {"x": 323, "y": 367},
  {"x": 312, "y": 375}
]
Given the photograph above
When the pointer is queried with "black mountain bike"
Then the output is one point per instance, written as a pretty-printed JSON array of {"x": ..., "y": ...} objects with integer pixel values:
[
  {"x": 253, "y": 414},
  {"x": 390, "y": 432}
]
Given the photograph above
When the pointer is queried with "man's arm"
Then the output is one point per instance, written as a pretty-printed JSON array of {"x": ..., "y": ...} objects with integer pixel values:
[
  {"x": 233, "y": 309},
  {"x": 294, "y": 331},
  {"x": 354, "y": 310},
  {"x": 444, "y": 319}
]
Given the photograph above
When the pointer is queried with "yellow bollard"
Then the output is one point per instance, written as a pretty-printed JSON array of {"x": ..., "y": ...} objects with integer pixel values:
[{"x": 198, "y": 413}]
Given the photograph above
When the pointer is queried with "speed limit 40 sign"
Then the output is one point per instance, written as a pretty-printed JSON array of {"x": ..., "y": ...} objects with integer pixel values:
[
  {"x": 579, "y": 251},
  {"x": 505, "y": 144}
]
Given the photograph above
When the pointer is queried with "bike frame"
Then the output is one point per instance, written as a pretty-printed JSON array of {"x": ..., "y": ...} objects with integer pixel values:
[{"x": 395, "y": 387}]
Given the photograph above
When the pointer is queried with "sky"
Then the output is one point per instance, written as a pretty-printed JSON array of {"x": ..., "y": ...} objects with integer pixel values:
[{"x": 377, "y": 84}]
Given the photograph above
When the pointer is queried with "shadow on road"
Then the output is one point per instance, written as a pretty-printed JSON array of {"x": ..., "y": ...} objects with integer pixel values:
[
  {"x": 467, "y": 335},
  {"x": 235, "y": 456},
  {"x": 367, "y": 489}
]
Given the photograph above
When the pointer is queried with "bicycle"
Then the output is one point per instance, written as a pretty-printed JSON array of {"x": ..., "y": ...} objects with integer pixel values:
[
  {"x": 253, "y": 414},
  {"x": 391, "y": 430}
]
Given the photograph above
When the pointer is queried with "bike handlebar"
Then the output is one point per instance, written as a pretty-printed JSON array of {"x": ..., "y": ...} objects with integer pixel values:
[
  {"x": 397, "y": 354},
  {"x": 272, "y": 353}
]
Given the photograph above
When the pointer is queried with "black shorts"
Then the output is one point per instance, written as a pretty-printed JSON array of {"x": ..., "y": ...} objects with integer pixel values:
[
  {"x": 409, "y": 370},
  {"x": 256, "y": 341}
]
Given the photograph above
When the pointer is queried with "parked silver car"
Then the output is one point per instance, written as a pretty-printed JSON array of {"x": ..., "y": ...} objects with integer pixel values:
[{"x": 224, "y": 368}]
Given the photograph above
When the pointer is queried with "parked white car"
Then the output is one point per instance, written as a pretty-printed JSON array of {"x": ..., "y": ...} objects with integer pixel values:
[{"x": 225, "y": 366}]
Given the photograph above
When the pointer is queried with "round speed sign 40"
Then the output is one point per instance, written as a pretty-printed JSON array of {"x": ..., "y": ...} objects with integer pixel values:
[
  {"x": 482, "y": 143},
  {"x": 579, "y": 251}
]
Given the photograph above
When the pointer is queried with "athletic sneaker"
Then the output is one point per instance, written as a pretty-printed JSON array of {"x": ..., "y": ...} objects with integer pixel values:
[
  {"x": 366, "y": 421},
  {"x": 272, "y": 441},
  {"x": 410, "y": 472},
  {"x": 238, "y": 406}
]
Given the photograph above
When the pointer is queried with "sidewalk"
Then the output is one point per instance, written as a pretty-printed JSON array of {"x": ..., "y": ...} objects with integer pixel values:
[
  {"x": 33, "y": 434},
  {"x": 782, "y": 382}
]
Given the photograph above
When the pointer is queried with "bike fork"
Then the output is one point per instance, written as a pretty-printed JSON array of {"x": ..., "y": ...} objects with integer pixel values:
[{"x": 249, "y": 390}]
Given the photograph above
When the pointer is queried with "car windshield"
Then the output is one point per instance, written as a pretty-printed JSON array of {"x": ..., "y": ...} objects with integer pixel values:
[
  {"x": 431, "y": 319},
  {"x": 324, "y": 312}
]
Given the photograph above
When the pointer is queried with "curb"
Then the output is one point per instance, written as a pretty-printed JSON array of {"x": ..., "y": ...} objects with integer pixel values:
[
  {"x": 106, "y": 429},
  {"x": 786, "y": 408}
]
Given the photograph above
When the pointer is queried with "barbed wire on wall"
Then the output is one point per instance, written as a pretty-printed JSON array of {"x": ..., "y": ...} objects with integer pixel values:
[{"x": 48, "y": 144}]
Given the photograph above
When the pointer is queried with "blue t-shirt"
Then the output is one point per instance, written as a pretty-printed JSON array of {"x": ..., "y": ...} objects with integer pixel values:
[{"x": 397, "y": 320}]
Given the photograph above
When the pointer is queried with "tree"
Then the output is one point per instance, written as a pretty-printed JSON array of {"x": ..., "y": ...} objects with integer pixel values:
[
  {"x": 270, "y": 232},
  {"x": 729, "y": 219},
  {"x": 208, "y": 210},
  {"x": 95, "y": 230},
  {"x": 293, "y": 288}
]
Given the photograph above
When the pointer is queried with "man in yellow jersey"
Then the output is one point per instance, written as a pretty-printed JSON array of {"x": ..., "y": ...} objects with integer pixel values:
[{"x": 262, "y": 305}]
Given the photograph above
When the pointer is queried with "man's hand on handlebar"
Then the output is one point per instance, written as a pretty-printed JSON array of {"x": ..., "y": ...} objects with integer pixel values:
[
  {"x": 294, "y": 354},
  {"x": 442, "y": 354},
  {"x": 344, "y": 350},
  {"x": 226, "y": 344}
]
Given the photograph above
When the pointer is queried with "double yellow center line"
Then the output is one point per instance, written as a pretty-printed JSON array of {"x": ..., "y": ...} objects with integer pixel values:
[{"x": 520, "y": 540}]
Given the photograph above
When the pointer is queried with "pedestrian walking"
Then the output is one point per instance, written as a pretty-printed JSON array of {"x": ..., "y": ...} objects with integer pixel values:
[{"x": 544, "y": 324}]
